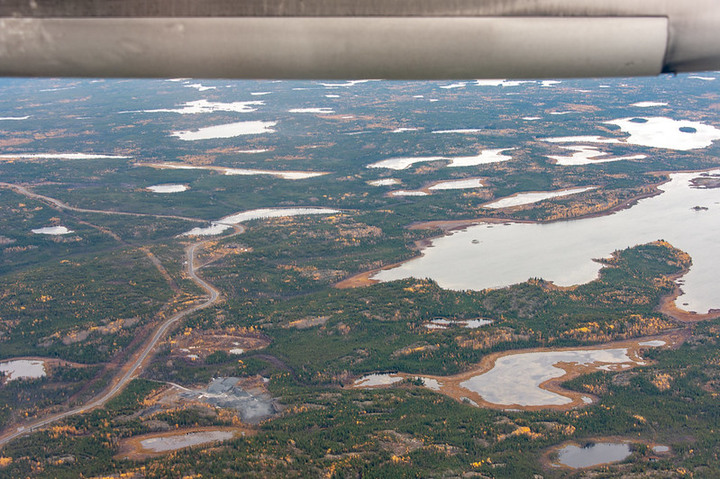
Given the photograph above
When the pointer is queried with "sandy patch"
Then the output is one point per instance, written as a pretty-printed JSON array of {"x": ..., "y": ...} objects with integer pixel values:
[
  {"x": 157, "y": 444},
  {"x": 307, "y": 323},
  {"x": 374, "y": 380},
  {"x": 204, "y": 344}
]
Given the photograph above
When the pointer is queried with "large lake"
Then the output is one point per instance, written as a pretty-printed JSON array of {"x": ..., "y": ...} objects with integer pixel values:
[{"x": 499, "y": 255}]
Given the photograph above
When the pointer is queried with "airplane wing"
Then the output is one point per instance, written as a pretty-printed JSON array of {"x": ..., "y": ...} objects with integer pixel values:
[{"x": 391, "y": 39}]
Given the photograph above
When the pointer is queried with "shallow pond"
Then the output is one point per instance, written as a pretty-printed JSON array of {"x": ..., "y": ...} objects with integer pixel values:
[
  {"x": 227, "y": 222},
  {"x": 515, "y": 379},
  {"x": 457, "y": 184},
  {"x": 592, "y": 454},
  {"x": 171, "y": 443},
  {"x": 377, "y": 380},
  {"x": 23, "y": 369}
]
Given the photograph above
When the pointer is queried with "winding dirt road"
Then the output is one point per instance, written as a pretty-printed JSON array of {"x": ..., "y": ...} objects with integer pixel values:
[
  {"x": 134, "y": 366},
  {"x": 59, "y": 204}
]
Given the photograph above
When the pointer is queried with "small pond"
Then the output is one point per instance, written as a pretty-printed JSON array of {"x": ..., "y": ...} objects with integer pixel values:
[{"x": 592, "y": 454}]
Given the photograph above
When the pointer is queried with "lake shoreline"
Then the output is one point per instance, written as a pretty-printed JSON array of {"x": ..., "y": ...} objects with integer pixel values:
[
  {"x": 364, "y": 279},
  {"x": 669, "y": 307},
  {"x": 133, "y": 449},
  {"x": 547, "y": 462},
  {"x": 451, "y": 385},
  {"x": 452, "y": 388}
]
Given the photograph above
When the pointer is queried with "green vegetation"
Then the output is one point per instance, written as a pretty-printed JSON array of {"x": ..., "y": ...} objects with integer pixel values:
[
  {"x": 82, "y": 309},
  {"x": 93, "y": 296},
  {"x": 408, "y": 431}
]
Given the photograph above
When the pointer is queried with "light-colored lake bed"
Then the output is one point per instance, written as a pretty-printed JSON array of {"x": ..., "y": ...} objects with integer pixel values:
[
  {"x": 23, "y": 369},
  {"x": 226, "y": 223},
  {"x": 517, "y": 379},
  {"x": 374, "y": 380},
  {"x": 592, "y": 454},
  {"x": 156, "y": 444},
  {"x": 384, "y": 182},
  {"x": 521, "y": 199},
  {"x": 530, "y": 379}
]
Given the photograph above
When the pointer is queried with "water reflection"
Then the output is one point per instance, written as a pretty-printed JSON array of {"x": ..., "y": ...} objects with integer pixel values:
[
  {"x": 495, "y": 256},
  {"x": 592, "y": 454}
]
